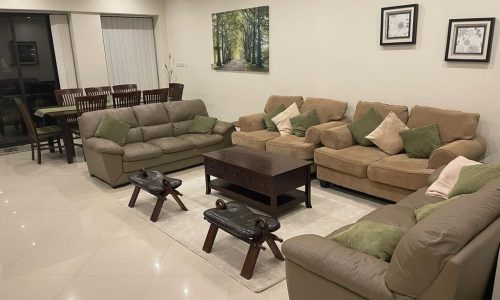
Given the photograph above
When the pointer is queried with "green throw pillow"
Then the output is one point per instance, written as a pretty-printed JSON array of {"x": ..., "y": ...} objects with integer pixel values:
[
  {"x": 202, "y": 124},
  {"x": 375, "y": 239},
  {"x": 364, "y": 126},
  {"x": 427, "y": 209},
  {"x": 302, "y": 122},
  {"x": 112, "y": 129},
  {"x": 472, "y": 178},
  {"x": 421, "y": 142},
  {"x": 268, "y": 118}
]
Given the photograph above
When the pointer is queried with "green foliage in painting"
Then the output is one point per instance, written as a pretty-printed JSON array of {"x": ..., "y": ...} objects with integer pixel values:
[{"x": 241, "y": 40}]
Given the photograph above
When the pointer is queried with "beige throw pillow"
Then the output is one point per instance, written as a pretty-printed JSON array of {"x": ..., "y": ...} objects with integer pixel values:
[
  {"x": 282, "y": 120},
  {"x": 386, "y": 135}
]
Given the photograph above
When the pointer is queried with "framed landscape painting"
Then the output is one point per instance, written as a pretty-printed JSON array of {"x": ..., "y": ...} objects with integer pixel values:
[
  {"x": 399, "y": 25},
  {"x": 241, "y": 40},
  {"x": 470, "y": 39}
]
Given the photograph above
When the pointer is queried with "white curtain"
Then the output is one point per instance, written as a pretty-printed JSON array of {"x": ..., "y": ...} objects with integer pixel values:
[
  {"x": 130, "y": 51},
  {"x": 63, "y": 51}
]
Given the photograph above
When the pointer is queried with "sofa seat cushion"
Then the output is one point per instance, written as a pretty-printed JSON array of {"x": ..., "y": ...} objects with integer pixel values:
[
  {"x": 202, "y": 140},
  {"x": 353, "y": 160},
  {"x": 254, "y": 139},
  {"x": 140, "y": 151},
  {"x": 291, "y": 145},
  {"x": 163, "y": 160},
  {"x": 401, "y": 171},
  {"x": 172, "y": 144}
]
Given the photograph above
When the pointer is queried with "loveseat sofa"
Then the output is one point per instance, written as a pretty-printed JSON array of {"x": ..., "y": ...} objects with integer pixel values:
[
  {"x": 370, "y": 170},
  {"x": 449, "y": 255},
  {"x": 158, "y": 138},
  {"x": 254, "y": 134}
]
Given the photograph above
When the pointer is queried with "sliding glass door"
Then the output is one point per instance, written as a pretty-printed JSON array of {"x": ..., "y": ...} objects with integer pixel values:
[{"x": 27, "y": 71}]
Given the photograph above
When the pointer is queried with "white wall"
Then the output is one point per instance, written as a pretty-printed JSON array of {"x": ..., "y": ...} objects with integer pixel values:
[{"x": 330, "y": 48}]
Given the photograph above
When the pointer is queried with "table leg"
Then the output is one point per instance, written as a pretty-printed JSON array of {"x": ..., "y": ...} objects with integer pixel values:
[
  {"x": 157, "y": 209},
  {"x": 250, "y": 260},
  {"x": 274, "y": 206},
  {"x": 308, "y": 188},
  {"x": 68, "y": 140},
  {"x": 210, "y": 239},
  {"x": 131, "y": 203},
  {"x": 208, "y": 190}
]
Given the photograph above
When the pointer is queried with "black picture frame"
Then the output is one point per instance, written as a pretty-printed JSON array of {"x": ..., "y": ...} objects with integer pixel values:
[
  {"x": 411, "y": 37},
  {"x": 27, "y": 52},
  {"x": 488, "y": 24}
]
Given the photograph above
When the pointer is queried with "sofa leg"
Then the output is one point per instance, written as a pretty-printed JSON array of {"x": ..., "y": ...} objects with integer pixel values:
[{"x": 324, "y": 184}]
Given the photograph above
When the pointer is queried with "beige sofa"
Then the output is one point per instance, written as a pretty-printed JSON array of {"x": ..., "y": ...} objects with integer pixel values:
[
  {"x": 254, "y": 134},
  {"x": 369, "y": 170},
  {"x": 449, "y": 255},
  {"x": 158, "y": 138}
]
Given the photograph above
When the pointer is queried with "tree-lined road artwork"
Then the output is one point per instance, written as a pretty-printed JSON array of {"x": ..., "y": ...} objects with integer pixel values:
[{"x": 241, "y": 40}]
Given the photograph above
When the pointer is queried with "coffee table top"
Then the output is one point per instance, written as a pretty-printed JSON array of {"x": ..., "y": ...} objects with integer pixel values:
[{"x": 258, "y": 161}]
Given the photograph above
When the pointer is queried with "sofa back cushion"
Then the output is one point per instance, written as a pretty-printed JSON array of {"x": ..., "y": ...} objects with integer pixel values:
[
  {"x": 274, "y": 101},
  {"x": 381, "y": 109},
  {"x": 179, "y": 111},
  {"x": 89, "y": 122},
  {"x": 452, "y": 124},
  {"x": 425, "y": 249},
  {"x": 327, "y": 110},
  {"x": 153, "y": 120}
]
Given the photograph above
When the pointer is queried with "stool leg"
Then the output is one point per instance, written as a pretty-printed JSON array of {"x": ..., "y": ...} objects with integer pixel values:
[
  {"x": 157, "y": 209},
  {"x": 274, "y": 248},
  {"x": 250, "y": 261},
  {"x": 176, "y": 198},
  {"x": 131, "y": 203},
  {"x": 210, "y": 239}
]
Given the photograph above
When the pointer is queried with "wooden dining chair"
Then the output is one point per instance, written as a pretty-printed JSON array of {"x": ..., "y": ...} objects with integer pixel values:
[
  {"x": 155, "y": 96},
  {"x": 41, "y": 138},
  {"x": 90, "y": 103},
  {"x": 101, "y": 90},
  {"x": 66, "y": 97},
  {"x": 175, "y": 91},
  {"x": 121, "y": 88},
  {"x": 127, "y": 99}
]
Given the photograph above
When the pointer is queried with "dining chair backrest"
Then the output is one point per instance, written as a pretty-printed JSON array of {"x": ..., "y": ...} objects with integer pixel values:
[
  {"x": 66, "y": 97},
  {"x": 175, "y": 91},
  {"x": 121, "y": 88},
  {"x": 101, "y": 90},
  {"x": 127, "y": 99},
  {"x": 155, "y": 96},
  {"x": 90, "y": 103},
  {"x": 26, "y": 116}
]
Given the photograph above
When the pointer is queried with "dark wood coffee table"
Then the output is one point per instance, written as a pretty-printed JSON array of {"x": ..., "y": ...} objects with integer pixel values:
[{"x": 265, "y": 181}]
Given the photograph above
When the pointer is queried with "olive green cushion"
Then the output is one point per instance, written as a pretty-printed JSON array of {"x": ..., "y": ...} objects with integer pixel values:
[
  {"x": 427, "y": 209},
  {"x": 364, "y": 126},
  {"x": 302, "y": 122},
  {"x": 421, "y": 142},
  {"x": 202, "y": 124},
  {"x": 375, "y": 239},
  {"x": 270, "y": 126},
  {"x": 112, "y": 129},
  {"x": 472, "y": 178}
]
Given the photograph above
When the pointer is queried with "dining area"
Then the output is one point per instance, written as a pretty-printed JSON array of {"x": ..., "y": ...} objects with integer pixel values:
[{"x": 60, "y": 121}]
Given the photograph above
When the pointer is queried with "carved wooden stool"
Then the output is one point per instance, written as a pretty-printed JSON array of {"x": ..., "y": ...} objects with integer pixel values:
[
  {"x": 239, "y": 221},
  {"x": 157, "y": 185}
]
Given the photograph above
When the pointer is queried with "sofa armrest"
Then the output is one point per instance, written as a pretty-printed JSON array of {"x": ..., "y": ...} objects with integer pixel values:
[
  {"x": 313, "y": 134},
  {"x": 252, "y": 122},
  {"x": 471, "y": 149},
  {"x": 338, "y": 138},
  {"x": 358, "y": 272},
  {"x": 103, "y": 146},
  {"x": 223, "y": 128}
]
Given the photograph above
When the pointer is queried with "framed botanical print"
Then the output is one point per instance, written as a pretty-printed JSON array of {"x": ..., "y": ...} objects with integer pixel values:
[
  {"x": 470, "y": 39},
  {"x": 399, "y": 25}
]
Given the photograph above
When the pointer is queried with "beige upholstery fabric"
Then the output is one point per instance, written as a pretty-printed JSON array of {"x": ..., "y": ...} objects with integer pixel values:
[
  {"x": 131, "y": 166},
  {"x": 274, "y": 101},
  {"x": 140, "y": 151},
  {"x": 222, "y": 127},
  {"x": 313, "y": 134},
  {"x": 90, "y": 121},
  {"x": 382, "y": 109},
  {"x": 401, "y": 171},
  {"x": 202, "y": 140},
  {"x": 418, "y": 199},
  {"x": 254, "y": 139},
  {"x": 134, "y": 135},
  {"x": 252, "y": 122},
  {"x": 104, "y": 146},
  {"x": 282, "y": 120},
  {"x": 338, "y": 138},
  {"x": 386, "y": 135},
  {"x": 291, "y": 145},
  {"x": 181, "y": 127},
  {"x": 153, "y": 114},
  {"x": 185, "y": 110},
  {"x": 327, "y": 109},
  {"x": 472, "y": 149},
  {"x": 354, "y": 160},
  {"x": 452, "y": 125},
  {"x": 172, "y": 144},
  {"x": 392, "y": 214},
  {"x": 157, "y": 131}
]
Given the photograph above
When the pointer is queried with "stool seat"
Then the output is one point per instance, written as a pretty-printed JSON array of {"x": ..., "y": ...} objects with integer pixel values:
[
  {"x": 238, "y": 220},
  {"x": 153, "y": 183}
]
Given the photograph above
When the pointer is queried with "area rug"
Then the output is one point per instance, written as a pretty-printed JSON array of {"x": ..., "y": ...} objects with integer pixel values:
[
  {"x": 15, "y": 149},
  {"x": 331, "y": 210}
]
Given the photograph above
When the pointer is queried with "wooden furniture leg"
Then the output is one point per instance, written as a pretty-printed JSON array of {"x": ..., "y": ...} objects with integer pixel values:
[
  {"x": 59, "y": 145},
  {"x": 308, "y": 188},
  {"x": 210, "y": 239},
  {"x": 32, "y": 151},
  {"x": 173, "y": 192},
  {"x": 157, "y": 209},
  {"x": 131, "y": 203},
  {"x": 51, "y": 145},
  {"x": 208, "y": 190},
  {"x": 68, "y": 140},
  {"x": 274, "y": 248},
  {"x": 250, "y": 261}
]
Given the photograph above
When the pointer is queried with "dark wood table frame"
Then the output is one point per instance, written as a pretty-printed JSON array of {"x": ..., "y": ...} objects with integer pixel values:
[{"x": 262, "y": 180}]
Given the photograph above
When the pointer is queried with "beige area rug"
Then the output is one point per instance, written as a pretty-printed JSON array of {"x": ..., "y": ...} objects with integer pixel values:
[{"x": 331, "y": 210}]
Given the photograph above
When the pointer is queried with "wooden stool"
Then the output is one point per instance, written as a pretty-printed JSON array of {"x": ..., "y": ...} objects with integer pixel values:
[
  {"x": 239, "y": 221},
  {"x": 157, "y": 185}
]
